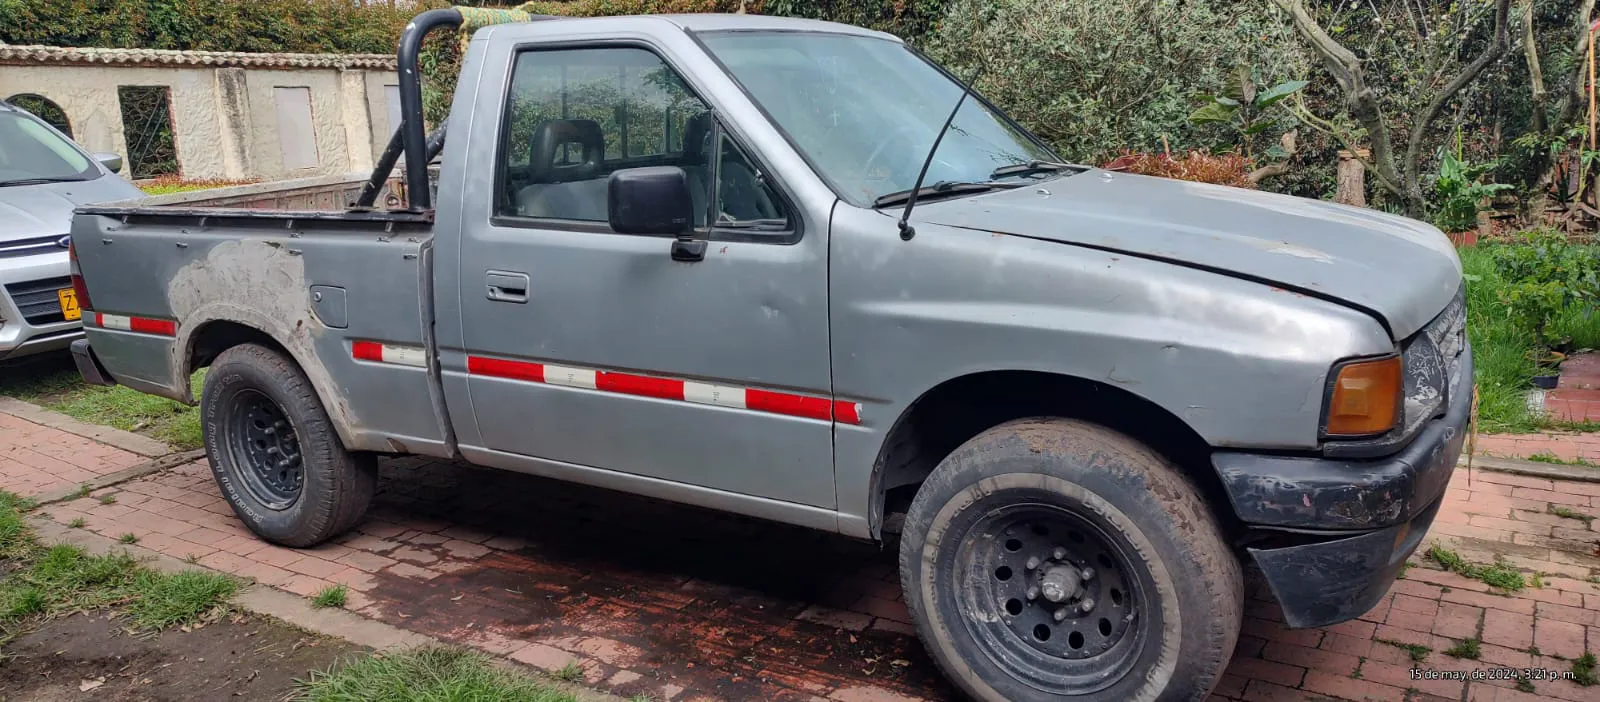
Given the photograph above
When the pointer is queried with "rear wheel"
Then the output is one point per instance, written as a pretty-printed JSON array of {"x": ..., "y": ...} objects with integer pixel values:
[
  {"x": 274, "y": 452},
  {"x": 1051, "y": 559}
]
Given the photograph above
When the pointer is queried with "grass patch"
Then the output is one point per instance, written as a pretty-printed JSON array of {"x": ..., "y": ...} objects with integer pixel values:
[
  {"x": 571, "y": 672},
  {"x": 168, "y": 599},
  {"x": 129, "y": 538},
  {"x": 331, "y": 596},
  {"x": 1467, "y": 648},
  {"x": 78, "y": 523},
  {"x": 1504, "y": 349},
  {"x": 1524, "y": 685},
  {"x": 53, "y": 383},
  {"x": 44, "y": 582},
  {"x": 170, "y": 185},
  {"x": 1583, "y": 670},
  {"x": 1501, "y": 574},
  {"x": 1416, "y": 651},
  {"x": 108, "y": 499},
  {"x": 432, "y": 673}
]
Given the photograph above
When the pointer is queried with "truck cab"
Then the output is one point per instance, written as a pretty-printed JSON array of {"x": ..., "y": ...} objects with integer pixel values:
[{"x": 677, "y": 256}]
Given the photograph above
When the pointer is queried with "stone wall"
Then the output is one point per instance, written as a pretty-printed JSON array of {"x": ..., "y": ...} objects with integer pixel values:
[{"x": 233, "y": 115}]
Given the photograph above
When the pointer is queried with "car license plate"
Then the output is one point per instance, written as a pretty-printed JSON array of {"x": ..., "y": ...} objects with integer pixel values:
[{"x": 69, "y": 304}]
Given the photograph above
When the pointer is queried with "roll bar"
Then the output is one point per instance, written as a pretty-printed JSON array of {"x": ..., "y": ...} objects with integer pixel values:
[{"x": 411, "y": 134}]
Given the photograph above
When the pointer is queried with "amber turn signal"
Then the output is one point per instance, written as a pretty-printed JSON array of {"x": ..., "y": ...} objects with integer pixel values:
[{"x": 1365, "y": 398}]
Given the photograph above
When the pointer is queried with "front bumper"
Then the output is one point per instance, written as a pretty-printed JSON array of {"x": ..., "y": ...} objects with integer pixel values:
[
  {"x": 1359, "y": 519},
  {"x": 19, "y": 336}
]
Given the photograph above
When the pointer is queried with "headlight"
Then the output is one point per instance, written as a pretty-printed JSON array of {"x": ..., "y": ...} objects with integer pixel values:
[{"x": 1363, "y": 398}]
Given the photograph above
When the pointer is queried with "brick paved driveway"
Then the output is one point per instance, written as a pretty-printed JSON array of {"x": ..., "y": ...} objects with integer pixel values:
[{"x": 680, "y": 604}]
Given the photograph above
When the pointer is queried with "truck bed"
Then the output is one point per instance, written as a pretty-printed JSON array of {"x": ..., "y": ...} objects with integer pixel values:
[{"x": 174, "y": 279}]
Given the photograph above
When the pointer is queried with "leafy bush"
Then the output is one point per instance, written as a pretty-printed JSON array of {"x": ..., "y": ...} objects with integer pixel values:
[
  {"x": 1546, "y": 273},
  {"x": 1459, "y": 194},
  {"x": 1095, "y": 77},
  {"x": 311, "y": 26},
  {"x": 1198, "y": 166}
]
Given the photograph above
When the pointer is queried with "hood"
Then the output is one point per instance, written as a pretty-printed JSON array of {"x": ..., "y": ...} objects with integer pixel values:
[
  {"x": 1401, "y": 270},
  {"x": 28, "y": 211}
]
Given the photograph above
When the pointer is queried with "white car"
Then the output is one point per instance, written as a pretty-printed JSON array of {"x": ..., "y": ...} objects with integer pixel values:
[{"x": 43, "y": 176}]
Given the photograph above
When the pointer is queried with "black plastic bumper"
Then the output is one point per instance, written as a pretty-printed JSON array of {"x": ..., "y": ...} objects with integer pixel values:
[
  {"x": 1377, "y": 510},
  {"x": 88, "y": 366}
]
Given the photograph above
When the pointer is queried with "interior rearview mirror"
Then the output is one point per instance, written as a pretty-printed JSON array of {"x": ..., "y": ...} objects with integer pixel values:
[{"x": 112, "y": 162}]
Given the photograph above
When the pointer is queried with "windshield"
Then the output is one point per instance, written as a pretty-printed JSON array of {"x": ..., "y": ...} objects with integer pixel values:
[
  {"x": 30, "y": 151},
  {"x": 864, "y": 111}
]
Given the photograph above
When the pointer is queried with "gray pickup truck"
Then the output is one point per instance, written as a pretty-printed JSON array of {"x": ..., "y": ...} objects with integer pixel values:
[{"x": 672, "y": 256}]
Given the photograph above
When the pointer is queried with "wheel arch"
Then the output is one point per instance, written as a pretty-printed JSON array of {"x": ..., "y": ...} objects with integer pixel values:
[
  {"x": 202, "y": 338},
  {"x": 958, "y": 409}
]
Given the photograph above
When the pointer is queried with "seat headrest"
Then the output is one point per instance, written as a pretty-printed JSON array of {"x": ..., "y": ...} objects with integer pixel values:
[
  {"x": 548, "y": 139},
  {"x": 696, "y": 135}
]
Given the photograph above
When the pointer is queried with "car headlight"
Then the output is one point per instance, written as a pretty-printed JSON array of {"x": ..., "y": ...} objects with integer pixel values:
[{"x": 1363, "y": 398}]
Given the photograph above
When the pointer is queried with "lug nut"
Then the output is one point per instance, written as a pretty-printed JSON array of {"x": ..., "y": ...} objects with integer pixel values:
[
  {"x": 1060, "y": 554},
  {"x": 1033, "y": 562},
  {"x": 1087, "y": 605},
  {"x": 1033, "y": 592},
  {"x": 1061, "y": 614},
  {"x": 1087, "y": 574}
]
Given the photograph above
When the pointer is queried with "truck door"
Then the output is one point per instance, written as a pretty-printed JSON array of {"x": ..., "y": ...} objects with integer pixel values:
[{"x": 590, "y": 348}]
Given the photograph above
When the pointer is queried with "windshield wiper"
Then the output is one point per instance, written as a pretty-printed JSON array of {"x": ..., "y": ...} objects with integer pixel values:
[
  {"x": 37, "y": 181},
  {"x": 1031, "y": 168},
  {"x": 943, "y": 187}
]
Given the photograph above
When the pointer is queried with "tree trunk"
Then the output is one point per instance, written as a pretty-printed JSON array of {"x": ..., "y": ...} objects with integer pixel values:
[{"x": 1352, "y": 188}]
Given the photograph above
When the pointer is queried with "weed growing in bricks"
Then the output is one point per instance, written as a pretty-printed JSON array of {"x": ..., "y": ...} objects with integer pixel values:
[
  {"x": 641, "y": 698},
  {"x": 1547, "y": 457},
  {"x": 432, "y": 673},
  {"x": 1583, "y": 670},
  {"x": 1524, "y": 685},
  {"x": 1467, "y": 648},
  {"x": 129, "y": 538},
  {"x": 1534, "y": 651},
  {"x": 571, "y": 672},
  {"x": 1502, "y": 575},
  {"x": 331, "y": 596},
  {"x": 191, "y": 559},
  {"x": 83, "y": 491},
  {"x": 1569, "y": 513},
  {"x": 1416, "y": 651},
  {"x": 108, "y": 499},
  {"x": 78, "y": 523}
]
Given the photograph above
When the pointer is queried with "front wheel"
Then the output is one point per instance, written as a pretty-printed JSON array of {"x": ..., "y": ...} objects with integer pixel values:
[
  {"x": 274, "y": 452},
  {"x": 1051, "y": 559}
]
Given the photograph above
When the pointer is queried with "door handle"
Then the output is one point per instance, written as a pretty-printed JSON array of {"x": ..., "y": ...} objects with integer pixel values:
[{"x": 505, "y": 286}]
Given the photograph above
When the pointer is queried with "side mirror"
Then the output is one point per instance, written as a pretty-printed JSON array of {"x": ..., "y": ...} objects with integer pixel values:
[
  {"x": 112, "y": 162},
  {"x": 655, "y": 200}
]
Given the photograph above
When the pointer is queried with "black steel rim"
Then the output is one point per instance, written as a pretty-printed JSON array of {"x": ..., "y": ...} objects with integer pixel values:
[
  {"x": 1052, "y": 598},
  {"x": 263, "y": 446}
]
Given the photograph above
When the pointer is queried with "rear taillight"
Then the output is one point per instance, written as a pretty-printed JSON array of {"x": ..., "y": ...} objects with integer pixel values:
[{"x": 78, "y": 287}]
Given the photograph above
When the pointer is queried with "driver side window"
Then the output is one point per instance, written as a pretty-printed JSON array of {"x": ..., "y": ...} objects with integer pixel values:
[{"x": 575, "y": 116}]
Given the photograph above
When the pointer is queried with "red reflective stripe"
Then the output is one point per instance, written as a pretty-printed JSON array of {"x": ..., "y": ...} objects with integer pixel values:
[
  {"x": 629, "y": 384},
  {"x": 367, "y": 351},
  {"x": 99, "y": 319},
  {"x": 164, "y": 327},
  {"x": 501, "y": 368},
  {"x": 784, "y": 403},
  {"x": 673, "y": 389}
]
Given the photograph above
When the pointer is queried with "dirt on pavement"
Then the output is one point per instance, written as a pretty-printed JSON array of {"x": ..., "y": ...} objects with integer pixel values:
[{"x": 91, "y": 657}]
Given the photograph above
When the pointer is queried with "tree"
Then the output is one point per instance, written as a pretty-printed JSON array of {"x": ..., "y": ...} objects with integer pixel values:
[{"x": 1398, "y": 173}]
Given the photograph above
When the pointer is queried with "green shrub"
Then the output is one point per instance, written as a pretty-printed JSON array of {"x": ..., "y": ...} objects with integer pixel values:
[
  {"x": 1546, "y": 274},
  {"x": 1094, "y": 77},
  {"x": 311, "y": 26}
]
